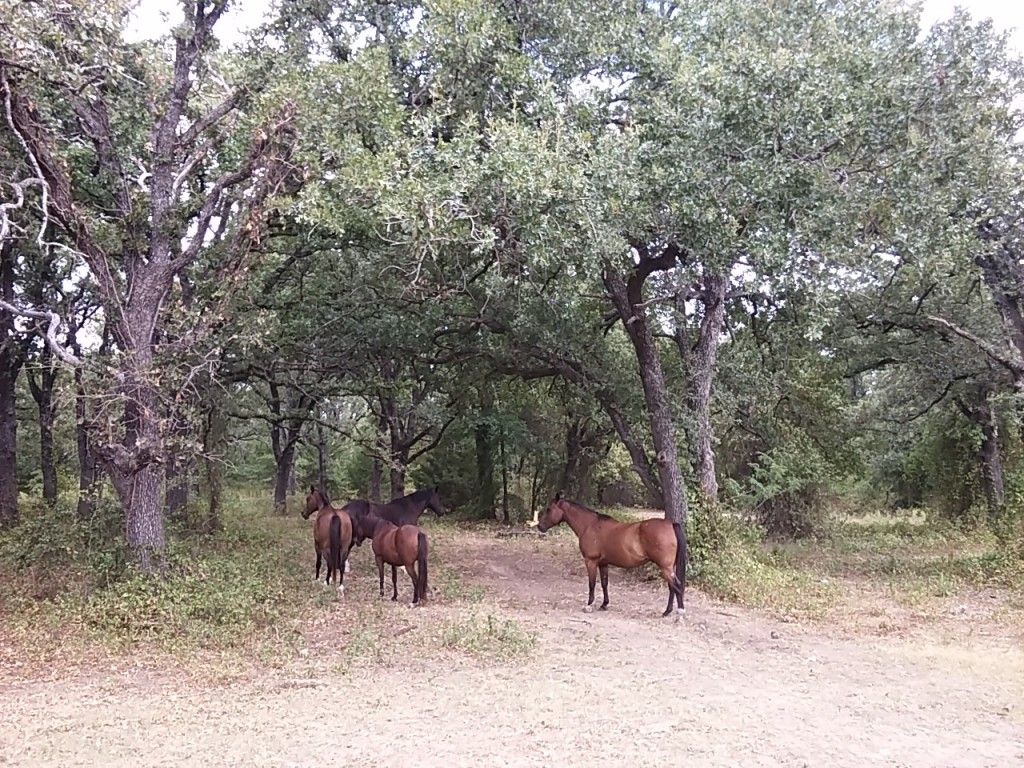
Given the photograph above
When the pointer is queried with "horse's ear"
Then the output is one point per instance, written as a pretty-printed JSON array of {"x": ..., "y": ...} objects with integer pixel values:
[
  {"x": 312, "y": 489},
  {"x": 559, "y": 496}
]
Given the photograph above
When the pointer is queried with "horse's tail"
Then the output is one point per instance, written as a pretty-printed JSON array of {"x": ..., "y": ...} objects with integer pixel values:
[
  {"x": 334, "y": 552},
  {"x": 680, "y": 560},
  {"x": 421, "y": 563}
]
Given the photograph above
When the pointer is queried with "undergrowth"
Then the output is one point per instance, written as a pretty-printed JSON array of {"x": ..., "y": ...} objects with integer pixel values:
[{"x": 217, "y": 591}]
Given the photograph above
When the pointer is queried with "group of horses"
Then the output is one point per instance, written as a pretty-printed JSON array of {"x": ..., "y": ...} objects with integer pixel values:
[
  {"x": 391, "y": 527},
  {"x": 397, "y": 540}
]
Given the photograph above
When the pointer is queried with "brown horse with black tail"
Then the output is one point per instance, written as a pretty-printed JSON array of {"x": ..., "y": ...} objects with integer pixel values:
[
  {"x": 395, "y": 545},
  {"x": 605, "y": 541},
  {"x": 332, "y": 536}
]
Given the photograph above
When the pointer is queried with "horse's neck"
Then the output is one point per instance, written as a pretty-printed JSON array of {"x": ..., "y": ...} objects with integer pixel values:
[
  {"x": 411, "y": 506},
  {"x": 578, "y": 519}
]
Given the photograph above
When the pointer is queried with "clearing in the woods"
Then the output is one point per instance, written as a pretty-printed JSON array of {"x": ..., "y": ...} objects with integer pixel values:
[{"x": 504, "y": 668}]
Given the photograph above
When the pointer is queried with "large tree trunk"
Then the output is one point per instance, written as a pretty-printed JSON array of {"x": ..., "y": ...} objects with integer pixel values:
[
  {"x": 702, "y": 377},
  {"x": 136, "y": 468},
  {"x": 8, "y": 440},
  {"x": 980, "y": 412},
  {"x": 483, "y": 436},
  {"x": 627, "y": 297},
  {"x": 282, "y": 476},
  {"x": 86, "y": 459},
  {"x": 504, "y": 483},
  {"x": 42, "y": 393},
  {"x": 399, "y": 465},
  {"x": 10, "y": 363}
]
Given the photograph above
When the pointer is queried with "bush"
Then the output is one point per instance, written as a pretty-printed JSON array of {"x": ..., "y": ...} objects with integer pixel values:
[{"x": 787, "y": 489}]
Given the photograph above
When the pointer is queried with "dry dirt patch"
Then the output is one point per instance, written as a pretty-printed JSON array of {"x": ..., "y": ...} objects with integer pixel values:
[{"x": 727, "y": 686}]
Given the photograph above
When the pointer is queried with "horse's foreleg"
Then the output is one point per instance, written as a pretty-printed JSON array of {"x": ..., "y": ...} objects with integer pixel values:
[
  {"x": 318, "y": 558},
  {"x": 394, "y": 582},
  {"x": 592, "y": 581},
  {"x": 380, "y": 570},
  {"x": 604, "y": 586}
]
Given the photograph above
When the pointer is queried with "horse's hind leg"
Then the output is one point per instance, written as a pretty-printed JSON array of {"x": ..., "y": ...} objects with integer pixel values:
[
  {"x": 415, "y": 583},
  {"x": 670, "y": 579},
  {"x": 380, "y": 570},
  {"x": 604, "y": 586},
  {"x": 318, "y": 558},
  {"x": 591, "y": 581},
  {"x": 394, "y": 582}
]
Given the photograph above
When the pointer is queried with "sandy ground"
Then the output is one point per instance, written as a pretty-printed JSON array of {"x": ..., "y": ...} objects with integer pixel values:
[{"x": 726, "y": 686}]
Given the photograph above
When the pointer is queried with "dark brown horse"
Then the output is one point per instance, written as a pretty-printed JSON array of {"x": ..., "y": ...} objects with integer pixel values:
[
  {"x": 605, "y": 541},
  {"x": 332, "y": 536},
  {"x": 395, "y": 545},
  {"x": 405, "y": 510}
]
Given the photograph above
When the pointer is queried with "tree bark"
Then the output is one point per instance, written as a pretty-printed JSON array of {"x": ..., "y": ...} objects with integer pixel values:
[
  {"x": 702, "y": 377},
  {"x": 627, "y": 297},
  {"x": 42, "y": 393},
  {"x": 136, "y": 466},
  {"x": 8, "y": 441},
  {"x": 483, "y": 437},
  {"x": 11, "y": 359},
  {"x": 989, "y": 453},
  {"x": 86, "y": 459},
  {"x": 504, "y": 483},
  {"x": 399, "y": 465},
  {"x": 282, "y": 475}
]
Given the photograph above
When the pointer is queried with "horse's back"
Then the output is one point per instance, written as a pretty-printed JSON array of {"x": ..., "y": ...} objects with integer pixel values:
[{"x": 628, "y": 545}]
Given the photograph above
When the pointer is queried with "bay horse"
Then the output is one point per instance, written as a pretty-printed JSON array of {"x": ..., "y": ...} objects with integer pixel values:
[
  {"x": 605, "y": 541},
  {"x": 332, "y": 536},
  {"x": 395, "y": 545},
  {"x": 405, "y": 510}
]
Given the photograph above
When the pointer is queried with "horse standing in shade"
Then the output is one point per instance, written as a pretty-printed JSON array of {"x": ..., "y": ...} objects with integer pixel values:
[
  {"x": 395, "y": 545},
  {"x": 405, "y": 510},
  {"x": 332, "y": 536},
  {"x": 605, "y": 541}
]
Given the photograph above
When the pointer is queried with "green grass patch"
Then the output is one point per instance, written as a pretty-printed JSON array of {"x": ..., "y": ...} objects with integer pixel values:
[{"x": 488, "y": 636}]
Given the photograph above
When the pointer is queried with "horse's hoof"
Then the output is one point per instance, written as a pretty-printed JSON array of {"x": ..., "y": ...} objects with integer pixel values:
[
  {"x": 603, "y": 608},
  {"x": 588, "y": 609},
  {"x": 348, "y": 568},
  {"x": 680, "y": 613},
  {"x": 341, "y": 589}
]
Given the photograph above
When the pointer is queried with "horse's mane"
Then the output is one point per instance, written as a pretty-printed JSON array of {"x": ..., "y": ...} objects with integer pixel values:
[
  {"x": 421, "y": 495},
  {"x": 600, "y": 515}
]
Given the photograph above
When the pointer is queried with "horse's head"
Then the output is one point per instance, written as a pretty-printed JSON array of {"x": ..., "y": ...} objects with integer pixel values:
[
  {"x": 553, "y": 515},
  {"x": 314, "y": 500},
  {"x": 434, "y": 502}
]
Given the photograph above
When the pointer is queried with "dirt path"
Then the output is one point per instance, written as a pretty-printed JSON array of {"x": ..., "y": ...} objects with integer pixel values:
[{"x": 726, "y": 686}]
